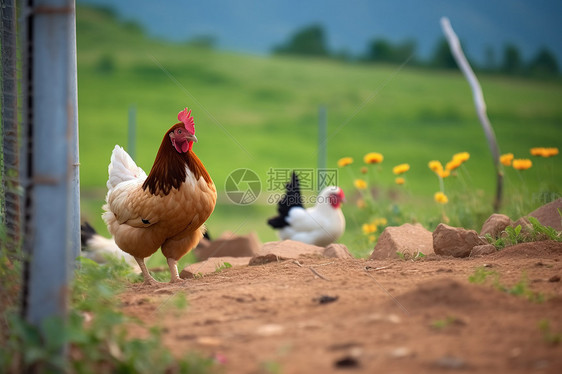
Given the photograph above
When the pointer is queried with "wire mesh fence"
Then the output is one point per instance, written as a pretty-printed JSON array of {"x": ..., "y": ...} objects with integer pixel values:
[{"x": 10, "y": 189}]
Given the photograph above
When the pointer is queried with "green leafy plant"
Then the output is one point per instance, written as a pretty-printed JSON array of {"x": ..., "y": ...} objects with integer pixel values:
[
  {"x": 515, "y": 235},
  {"x": 549, "y": 336},
  {"x": 441, "y": 324},
  {"x": 481, "y": 274},
  {"x": 95, "y": 332},
  {"x": 405, "y": 256},
  {"x": 521, "y": 288},
  {"x": 221, "y": 267}
]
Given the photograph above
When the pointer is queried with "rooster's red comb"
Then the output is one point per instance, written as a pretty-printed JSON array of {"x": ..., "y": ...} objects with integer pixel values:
[{"x": 185, "y": 117}]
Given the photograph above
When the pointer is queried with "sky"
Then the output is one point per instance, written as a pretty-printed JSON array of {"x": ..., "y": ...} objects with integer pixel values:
[{"x": 255, "y": 26}]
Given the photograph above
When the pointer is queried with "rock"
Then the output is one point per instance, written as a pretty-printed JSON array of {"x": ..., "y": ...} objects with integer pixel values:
[
  {"x": 455, "y": 241},
  {"x": 290, "y": 249},
  {"x": 554, "y": 278},
  {"x": 335, "y": 250},
  {"x": 451, "y": 362},
  {"x": 228, "y": 245},
  {"x": 525, "y": 225},
  {"x": 211, "y": 265},
  {"x": 548, "y": 214},
  {"x": 407, "y": 238},
  {"x": 483, "y": 250},
  {"x": 495, "y": 224}
]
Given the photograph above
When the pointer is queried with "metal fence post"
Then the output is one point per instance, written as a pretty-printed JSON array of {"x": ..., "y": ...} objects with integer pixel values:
[
  {"x": 51, "y": 115},
  {"x": 322, "y": 145}
]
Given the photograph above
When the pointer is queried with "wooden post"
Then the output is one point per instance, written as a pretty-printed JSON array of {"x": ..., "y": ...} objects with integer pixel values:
[{"x": 480, "y": 104}]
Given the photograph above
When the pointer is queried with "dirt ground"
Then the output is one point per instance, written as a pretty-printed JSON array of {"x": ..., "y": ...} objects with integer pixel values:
[{"x": 363, "y": 316}]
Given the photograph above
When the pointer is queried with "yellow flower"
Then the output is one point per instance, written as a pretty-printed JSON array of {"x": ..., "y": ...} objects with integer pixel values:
[
  {"x": 400, "y": 181},
  {"x": 360, "y": 184},
  {"x": 506, "y": 159},
  {"x": 441, "y": 198},
  {"x": 344, "y": 161},
  {"x": 550, "y": 152},
  {"x": 368, "y": 228},
  {"x": 373, "y": 158},
  {"x": 537, "y": 151},
  {"x": 522, "y": 164},
  {"x": 453, "y": 164},
  {"x": 462, "y": 156},
  {"x": 372, "y": 239},
  {"x": 544, "y": 152},
  {"x": 444, "y": 173},
  {"x": 435, "y": 166},
  {"x": 380, "y": 221},
  {"x": 400, "y": 169},
  {"x": 361, "y": 203}
]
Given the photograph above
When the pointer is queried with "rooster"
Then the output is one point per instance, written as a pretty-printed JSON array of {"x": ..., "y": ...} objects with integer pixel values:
[
  {"x": 320, "y": 225},
  {"x": 167, "y": 208}
]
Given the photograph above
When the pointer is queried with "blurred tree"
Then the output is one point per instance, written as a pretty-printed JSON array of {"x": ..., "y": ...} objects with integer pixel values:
[
  {"x": 511, "y": 63},
  {"x": 381, "y": 50},
  {"x": 544, "y": 64},
  {"x": 310, "y": 41},
  {"x": 442, "y": 57},
  {"x": 490, "y": 63},
  {"x": 203, "y": 41}
]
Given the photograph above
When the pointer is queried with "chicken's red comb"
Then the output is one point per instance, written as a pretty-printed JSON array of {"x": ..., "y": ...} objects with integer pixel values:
[{"x": 185, "y": 117}]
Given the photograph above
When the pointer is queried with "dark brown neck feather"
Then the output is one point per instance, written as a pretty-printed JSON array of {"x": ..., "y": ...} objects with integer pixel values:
[{"x": 169, "y": 169}]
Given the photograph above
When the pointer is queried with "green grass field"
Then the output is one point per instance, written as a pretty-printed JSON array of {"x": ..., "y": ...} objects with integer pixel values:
[{"x": 262, "y": 112}]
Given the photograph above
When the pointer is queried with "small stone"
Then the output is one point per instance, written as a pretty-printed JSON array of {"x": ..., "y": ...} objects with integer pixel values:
[
  {"x": 228, "y": 245},
  {"x": 451, "y": 362},
  {"x": 209, "y": 341},
  {"x": 495, "y": 224},
  {"x": 270, "y": 330},
  {"x": 407, "y": 239},
  {"x": 455, "y": 241},
  {"x": 548, "y": 214},
  {"x": 347, "y": 362},
  {"x": 401, "y": 352},
  {"x": 483, "y": 250},
  {"x": 554, "y": 278},
  {"x": 325, "y": 299}
]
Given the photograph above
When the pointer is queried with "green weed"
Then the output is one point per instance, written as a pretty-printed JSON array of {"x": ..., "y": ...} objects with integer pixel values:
[
  {"x": 407, "y": 256},
  {"x": 441, "y": 324},
  {"x": 515, "y": 235},
  {"x": 95, "y": 332},
  {"x": 521, "y": 288},
  {"x": 553, "y": 338}
]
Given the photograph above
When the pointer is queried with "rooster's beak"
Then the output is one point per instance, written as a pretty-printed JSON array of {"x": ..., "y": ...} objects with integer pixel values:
[{"x": 192, "y": 138}]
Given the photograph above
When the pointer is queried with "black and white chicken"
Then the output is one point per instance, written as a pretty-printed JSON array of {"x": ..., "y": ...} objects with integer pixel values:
[{"x": 320, "y": 225}]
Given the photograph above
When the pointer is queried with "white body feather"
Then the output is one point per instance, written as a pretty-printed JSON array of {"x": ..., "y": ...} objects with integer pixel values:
[{"x": 320, "y": 225}]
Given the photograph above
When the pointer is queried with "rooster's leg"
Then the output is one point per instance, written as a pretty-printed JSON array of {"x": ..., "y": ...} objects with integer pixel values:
[
  {"x": 146, "y": 275},
  {"x": 174, "y": 276}
]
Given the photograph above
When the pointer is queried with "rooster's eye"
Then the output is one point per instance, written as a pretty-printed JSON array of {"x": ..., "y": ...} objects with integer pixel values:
[{"x": 179, "y": 131}]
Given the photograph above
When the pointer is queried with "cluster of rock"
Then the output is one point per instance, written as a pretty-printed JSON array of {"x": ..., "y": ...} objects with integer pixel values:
[
  {"x": 408, "y": 239},
  {"x": 455, "y": 241},
  {"x": 236, "y": 250}
]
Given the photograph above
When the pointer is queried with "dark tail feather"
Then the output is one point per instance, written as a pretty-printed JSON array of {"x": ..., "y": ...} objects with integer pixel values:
[
  {"x": 86, "y": 233},
  {"x": 291, "y": 199}
]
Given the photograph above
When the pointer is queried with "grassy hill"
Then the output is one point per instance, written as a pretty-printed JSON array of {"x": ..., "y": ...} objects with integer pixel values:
[{"x": 261, "y": 113}]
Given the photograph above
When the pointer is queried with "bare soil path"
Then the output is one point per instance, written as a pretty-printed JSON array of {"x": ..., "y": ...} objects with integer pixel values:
[{"x": 363, "y": 316}]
